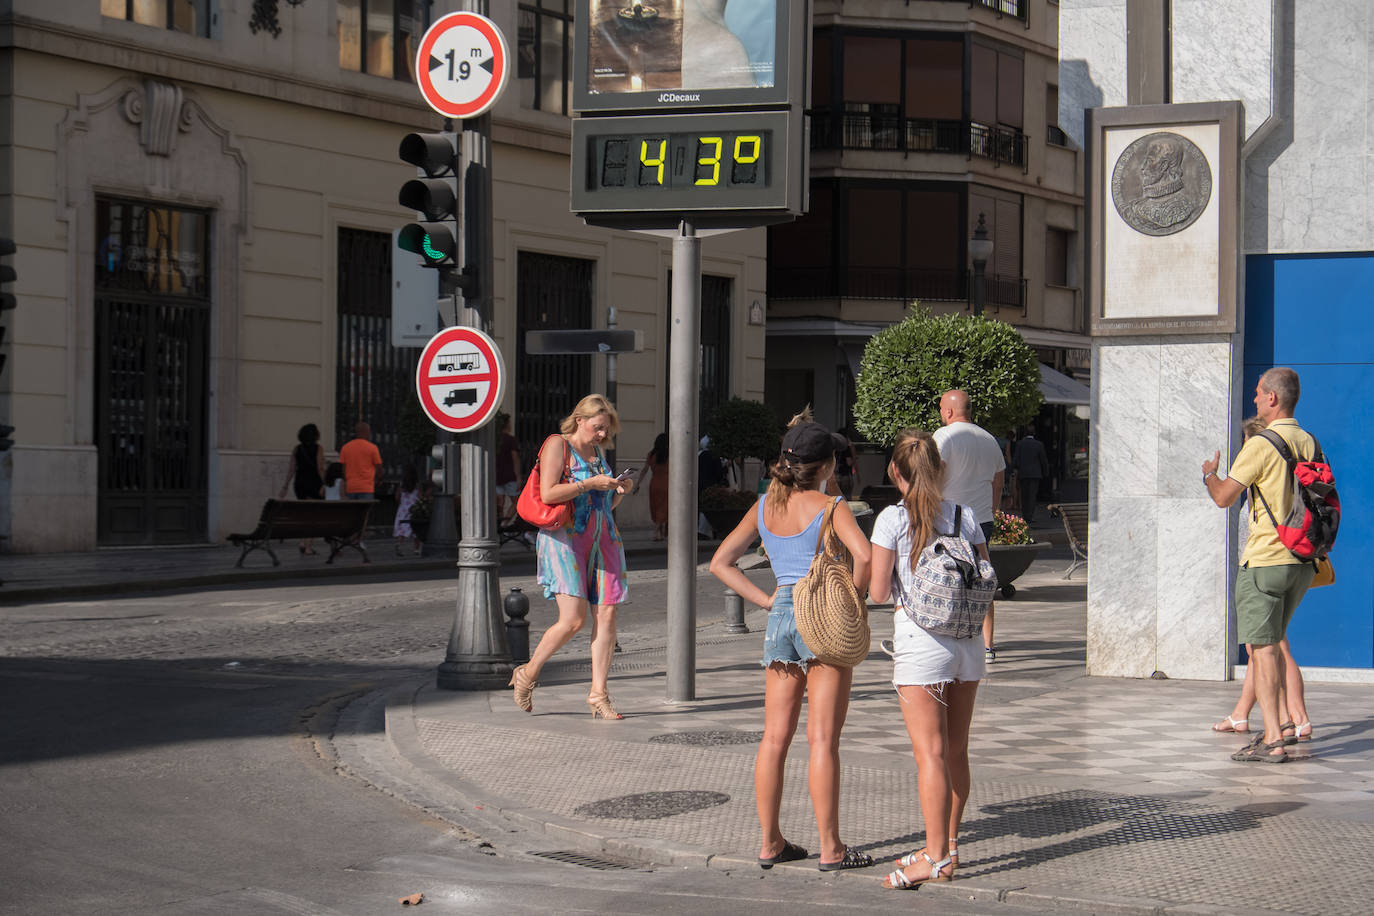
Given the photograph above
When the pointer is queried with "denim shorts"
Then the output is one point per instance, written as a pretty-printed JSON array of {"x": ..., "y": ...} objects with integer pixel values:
[{"x": 782, "y": 643}]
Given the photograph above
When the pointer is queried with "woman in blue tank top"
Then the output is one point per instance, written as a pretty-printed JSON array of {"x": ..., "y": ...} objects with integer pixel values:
[{"x": 788, "y": 519}]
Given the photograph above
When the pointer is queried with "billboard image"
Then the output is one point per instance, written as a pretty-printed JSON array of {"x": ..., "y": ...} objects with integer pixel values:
[{"x": 669, "y": 52}]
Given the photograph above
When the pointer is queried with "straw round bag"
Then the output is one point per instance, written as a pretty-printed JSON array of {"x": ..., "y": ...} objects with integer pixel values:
[{"x": 831, "y": 617}]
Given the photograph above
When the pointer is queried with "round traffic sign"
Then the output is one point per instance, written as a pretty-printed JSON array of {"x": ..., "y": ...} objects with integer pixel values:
[
  {"x": 460, "y": 379},
  {"x": 462, "y": 65}
]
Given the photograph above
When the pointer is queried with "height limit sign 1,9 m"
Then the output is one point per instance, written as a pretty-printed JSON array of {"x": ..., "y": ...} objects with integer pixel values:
[{"x": 462, "y": 65}]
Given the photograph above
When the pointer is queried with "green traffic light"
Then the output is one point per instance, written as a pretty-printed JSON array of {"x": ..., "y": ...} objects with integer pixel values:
[{"x": 430, "y": 251}]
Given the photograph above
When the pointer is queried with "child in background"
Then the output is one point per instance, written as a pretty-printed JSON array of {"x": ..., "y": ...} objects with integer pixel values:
[
  {"x": 333, "y": 480},
  {"x": 406, "y": 497}
]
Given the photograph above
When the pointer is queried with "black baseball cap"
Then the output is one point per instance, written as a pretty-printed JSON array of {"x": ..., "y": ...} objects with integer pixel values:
[{"x": 807, "y": 442}]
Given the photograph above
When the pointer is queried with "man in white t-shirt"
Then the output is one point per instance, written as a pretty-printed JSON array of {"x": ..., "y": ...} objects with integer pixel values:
[{"x": 974, "y": 468}]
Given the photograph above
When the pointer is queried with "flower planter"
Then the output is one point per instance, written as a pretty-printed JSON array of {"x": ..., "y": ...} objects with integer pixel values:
[
  {"x": 1011, "y": 560},
  {"x": 723, "y": 521}
]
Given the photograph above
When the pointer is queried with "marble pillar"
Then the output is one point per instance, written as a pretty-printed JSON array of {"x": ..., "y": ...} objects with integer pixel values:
[{"x": 1163, "y": 555}]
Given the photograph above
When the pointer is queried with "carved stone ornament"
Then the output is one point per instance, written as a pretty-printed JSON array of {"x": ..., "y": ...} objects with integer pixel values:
[
  {"x": 1161, "y": 183},
  {"x": 161, "y": 113}
]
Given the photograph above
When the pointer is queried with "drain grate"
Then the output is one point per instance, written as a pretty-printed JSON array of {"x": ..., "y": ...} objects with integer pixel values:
[
  {"x": 709, "y": 737},
  {"x": 581, "y": 859},
  {"x": 651, "y": 806}
]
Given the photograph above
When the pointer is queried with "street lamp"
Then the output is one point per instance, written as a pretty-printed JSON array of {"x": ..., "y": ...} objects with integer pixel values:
[{"x": 979, "y": 249}]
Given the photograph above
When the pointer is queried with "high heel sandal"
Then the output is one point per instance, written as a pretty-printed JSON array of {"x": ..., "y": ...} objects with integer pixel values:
[
  {"x": 898, "y": 881},
  {"x": 524, "y": 688},
  {"x": 601, "y": 706}
]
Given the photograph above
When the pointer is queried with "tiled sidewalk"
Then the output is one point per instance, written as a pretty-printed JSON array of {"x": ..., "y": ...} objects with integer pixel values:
[{"x": 1086, "y": 790}]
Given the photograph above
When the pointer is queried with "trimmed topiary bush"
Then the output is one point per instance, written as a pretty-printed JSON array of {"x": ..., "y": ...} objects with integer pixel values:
[
  {"x": 906, "y": 367},
  {"x": 741, "y": 429}
]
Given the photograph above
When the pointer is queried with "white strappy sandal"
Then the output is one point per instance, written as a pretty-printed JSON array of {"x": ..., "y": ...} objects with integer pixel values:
[
  {"x": 898, "y": 881},
  {"x": 1232, "y": 726},
  {"x": 912, "y": 858}
]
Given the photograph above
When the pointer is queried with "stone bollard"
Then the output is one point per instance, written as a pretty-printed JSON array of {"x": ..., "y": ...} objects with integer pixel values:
[
  {"x": 517, "y": 607},
  {"x": 734, "y": 612}
]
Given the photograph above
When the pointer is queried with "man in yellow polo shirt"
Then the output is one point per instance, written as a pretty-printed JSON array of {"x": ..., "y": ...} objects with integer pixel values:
[{"x": 1271, "y": 581}]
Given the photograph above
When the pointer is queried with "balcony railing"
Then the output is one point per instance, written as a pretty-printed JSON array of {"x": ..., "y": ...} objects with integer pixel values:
[
  {"x": 865, "y": 131},
  {"x": 893, "y": 283}
]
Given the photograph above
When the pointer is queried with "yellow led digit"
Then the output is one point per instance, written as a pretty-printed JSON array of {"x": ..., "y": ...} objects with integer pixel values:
[
  {"x": 645, "y": 160},
  {"x": 754, "y": 142},
  {"x": 712, "y": 160}
]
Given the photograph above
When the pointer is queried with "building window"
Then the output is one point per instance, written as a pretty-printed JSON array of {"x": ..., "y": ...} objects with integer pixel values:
[
  {"x": 190, "y": 16},
  {"x": 373, "y": 380},
  {"x": 1057, "y": 256},
  {"x": 551, "y": 292},
  {"x": 544, "y": 54},
  {"x": 380, "y": 37}
]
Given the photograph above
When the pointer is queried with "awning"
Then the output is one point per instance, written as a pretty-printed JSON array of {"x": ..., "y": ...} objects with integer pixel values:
[{"x": 1058, "y": 388}]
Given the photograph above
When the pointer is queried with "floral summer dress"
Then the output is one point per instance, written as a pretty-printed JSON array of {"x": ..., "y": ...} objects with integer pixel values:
[
  {"x": 586, "y": 557},
  {"x": 401, "y": 527}
]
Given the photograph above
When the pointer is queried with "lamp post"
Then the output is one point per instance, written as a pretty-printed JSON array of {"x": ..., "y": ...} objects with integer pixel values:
[{"x": 979, "y": 249}]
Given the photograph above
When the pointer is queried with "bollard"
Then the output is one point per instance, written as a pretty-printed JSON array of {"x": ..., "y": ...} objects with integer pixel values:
[
  {"x": 734, "y": 612},
  {"x": 517, "y": 607}
]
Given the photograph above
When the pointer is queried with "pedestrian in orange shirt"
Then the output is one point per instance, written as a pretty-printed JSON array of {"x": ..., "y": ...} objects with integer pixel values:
[{"x": 361, "y": 459}]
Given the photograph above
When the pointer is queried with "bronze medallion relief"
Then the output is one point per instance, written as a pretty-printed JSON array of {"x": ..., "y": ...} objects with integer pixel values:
[{"x": 1161, "y": 184}]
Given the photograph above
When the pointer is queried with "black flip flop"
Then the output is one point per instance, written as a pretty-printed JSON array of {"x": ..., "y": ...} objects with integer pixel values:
[
  {"x": 852, "y": 859},
  {"x": 790, "y": 853}
]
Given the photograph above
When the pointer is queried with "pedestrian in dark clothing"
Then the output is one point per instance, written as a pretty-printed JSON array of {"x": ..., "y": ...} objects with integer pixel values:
[{"x": 1032, "y": 464}]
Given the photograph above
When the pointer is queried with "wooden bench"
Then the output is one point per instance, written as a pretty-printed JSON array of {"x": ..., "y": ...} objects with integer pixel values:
[
  {"x": 516, "y": 532},
  {"x": 1075, "y": 519},
  {"x": 340, "y": 523}
]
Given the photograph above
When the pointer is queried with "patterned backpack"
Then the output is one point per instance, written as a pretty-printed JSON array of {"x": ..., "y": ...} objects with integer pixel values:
[{"x": 954, "y": 586}]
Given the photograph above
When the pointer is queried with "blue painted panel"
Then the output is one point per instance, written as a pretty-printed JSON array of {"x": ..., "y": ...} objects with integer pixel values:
[
  {"x": 1320, "y": 304},
  {"x": 1312, "y": 313}
]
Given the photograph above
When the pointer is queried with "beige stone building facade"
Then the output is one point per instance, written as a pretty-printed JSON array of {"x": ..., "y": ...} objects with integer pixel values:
[
  {"x": 203, "y": 192},
  {"x": 927, "y": 115}
]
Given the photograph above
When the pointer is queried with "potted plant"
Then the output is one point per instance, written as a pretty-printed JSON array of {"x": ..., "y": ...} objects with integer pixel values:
[
  {"x": 420, "y": 515},
  {"x": 908, "y": 366},
  {"x": 1011, "y": 549},
  {"x": 724, "y": 507},
  {"x": 739, "y": 429}
]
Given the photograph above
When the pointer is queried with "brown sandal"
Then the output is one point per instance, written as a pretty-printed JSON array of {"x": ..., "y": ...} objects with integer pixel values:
[
  {"x": 601, "y": 706},
  {"x": 524, "y": 688}
]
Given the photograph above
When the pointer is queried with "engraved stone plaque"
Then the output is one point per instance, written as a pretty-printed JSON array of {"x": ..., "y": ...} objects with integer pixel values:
[{"x": 1161, "y": 184}]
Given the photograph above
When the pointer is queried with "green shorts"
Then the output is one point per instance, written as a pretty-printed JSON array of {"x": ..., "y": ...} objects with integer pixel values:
[{"x": 1266, "y": 597}]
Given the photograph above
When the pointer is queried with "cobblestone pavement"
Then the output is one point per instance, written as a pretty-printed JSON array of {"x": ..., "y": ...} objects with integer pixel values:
[{"x": 1096, "y": 793}]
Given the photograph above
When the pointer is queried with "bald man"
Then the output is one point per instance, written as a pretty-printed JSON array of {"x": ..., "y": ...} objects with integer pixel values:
[
  {"x": 361, "y": 461},
  {"x": 974, "y": 469}
]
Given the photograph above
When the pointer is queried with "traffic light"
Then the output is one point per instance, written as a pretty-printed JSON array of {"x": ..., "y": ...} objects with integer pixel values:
[
  {"x": 7, "y": 302},
  {"x": 444, "y": 467},
  {"x": 435, "y": 197}
]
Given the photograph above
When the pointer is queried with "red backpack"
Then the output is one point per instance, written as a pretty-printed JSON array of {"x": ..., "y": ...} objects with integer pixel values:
[{"x": 1314, "y": 514}]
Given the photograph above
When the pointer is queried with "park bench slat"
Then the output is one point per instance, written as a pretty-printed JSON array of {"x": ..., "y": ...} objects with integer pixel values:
[{"x": 339, "y": 523}]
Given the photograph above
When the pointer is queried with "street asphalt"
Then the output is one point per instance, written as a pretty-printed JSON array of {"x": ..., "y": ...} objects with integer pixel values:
[{"x": 1089, "y": 794}]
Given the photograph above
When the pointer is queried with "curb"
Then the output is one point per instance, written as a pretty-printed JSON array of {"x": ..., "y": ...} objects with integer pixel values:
[
  {"x": 234, "y": 576},
  {"x": 429, "y": 785}
]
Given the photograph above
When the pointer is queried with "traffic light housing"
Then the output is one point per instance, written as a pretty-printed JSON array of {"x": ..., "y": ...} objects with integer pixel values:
[
  {"x": 444, "y": 467},
  {"x": 436, "y": 198}
]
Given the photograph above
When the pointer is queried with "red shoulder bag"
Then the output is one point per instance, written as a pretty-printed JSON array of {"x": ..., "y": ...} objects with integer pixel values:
[{"x": 533, "y": 509}]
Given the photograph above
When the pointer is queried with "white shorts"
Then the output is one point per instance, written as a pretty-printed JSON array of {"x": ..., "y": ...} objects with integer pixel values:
[{"x": 925, "y": 659}]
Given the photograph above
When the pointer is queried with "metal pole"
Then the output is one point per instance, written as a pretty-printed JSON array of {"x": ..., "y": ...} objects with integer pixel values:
[
  {"x": 685, "y": 316},
  {"x": 610, "y": 376},
  {"x": 978, "y": 291},
  {"x": 478, "y": 657}
]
